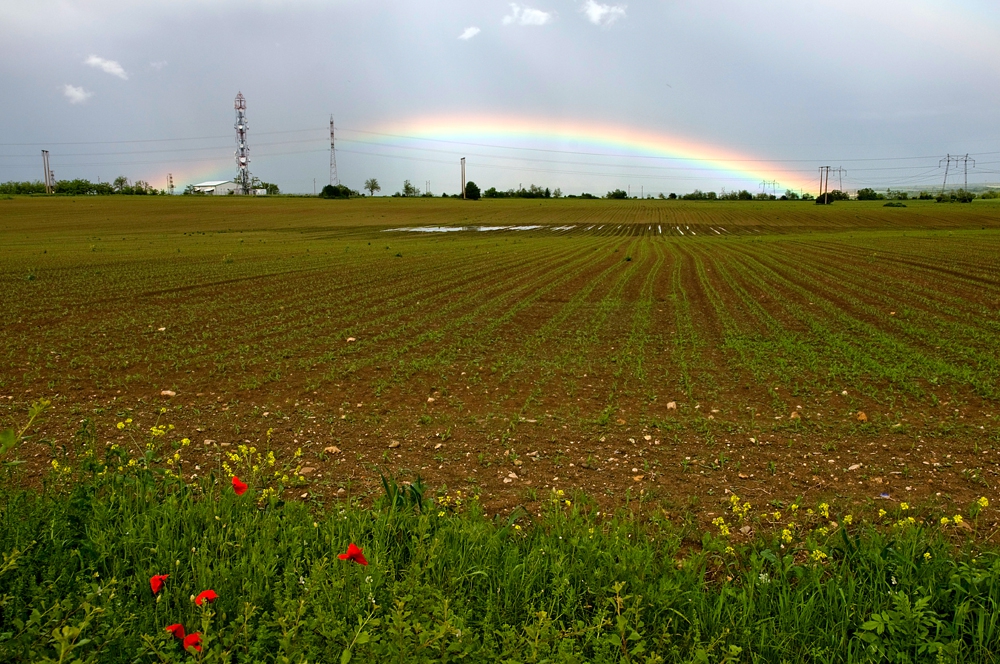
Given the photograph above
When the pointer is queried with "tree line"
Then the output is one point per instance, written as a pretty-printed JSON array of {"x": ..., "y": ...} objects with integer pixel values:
[
  {"x": 81, "y": 187},
  {"x": 473, "y": 192},
  {"x": 121, "y": 185}
]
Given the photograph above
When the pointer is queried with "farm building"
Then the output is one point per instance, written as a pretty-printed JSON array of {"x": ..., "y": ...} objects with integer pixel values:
[{"x": 217, "y": 188}]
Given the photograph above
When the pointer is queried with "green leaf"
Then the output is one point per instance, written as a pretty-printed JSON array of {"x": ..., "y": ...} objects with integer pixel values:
[
  {"x": 7, "y": 440},
  {"x": 345, "y": 656}
]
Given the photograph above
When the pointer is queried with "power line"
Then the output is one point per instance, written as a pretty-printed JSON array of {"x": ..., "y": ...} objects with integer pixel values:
[{"x": 489, "y": 145}]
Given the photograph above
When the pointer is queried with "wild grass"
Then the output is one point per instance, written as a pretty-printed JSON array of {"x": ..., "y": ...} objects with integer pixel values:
[{"x": 447, "y": 582}]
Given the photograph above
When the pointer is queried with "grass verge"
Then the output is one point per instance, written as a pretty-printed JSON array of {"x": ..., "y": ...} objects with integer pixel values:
[{"x": 446, "y": 582}]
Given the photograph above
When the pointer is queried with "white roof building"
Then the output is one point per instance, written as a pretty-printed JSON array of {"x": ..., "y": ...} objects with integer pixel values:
[{"x": 216, "y": 187}]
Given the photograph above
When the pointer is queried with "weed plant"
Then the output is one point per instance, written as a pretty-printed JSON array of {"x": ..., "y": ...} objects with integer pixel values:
[{"x": 445, "y": 582}]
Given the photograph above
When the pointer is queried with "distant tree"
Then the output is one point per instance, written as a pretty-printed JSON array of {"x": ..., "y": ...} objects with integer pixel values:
[
  {"x": 986, "y": 195},
  {"x": 372, "y": 185},
  {"x": 960, "y": 196},
  {"x": 699, "y": 195},
  {"x": 143, "y": 188},
  {"x": 672, "y": 196},
  {"x": 807, "y": 196},
  {"x": 120, "y": 184},
  {"x": 866, "y": 194},
  {"x": 471, "y": 191},
  {"x": 894, "y": 195},
  {"x": 409, "y": 189},
  {"x": 271, "y": 189},
  {"x": 337, "y": 191},
  {"x": 791, "y": 195},
  {"x": 75, "y": 187},
  {"x": 617, "y": 194},
  {"x": 926, "y": 196},
  {"x": 557, "y": 193}
]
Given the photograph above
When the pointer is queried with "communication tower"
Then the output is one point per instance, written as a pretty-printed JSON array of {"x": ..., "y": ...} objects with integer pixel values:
[
  {"x": 170, "y": 183},
  {"x": 243, "y": 179}
]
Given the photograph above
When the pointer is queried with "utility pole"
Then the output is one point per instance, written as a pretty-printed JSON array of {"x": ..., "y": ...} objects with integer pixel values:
[
  {"x": 965, "y": 168},
  {"x": 48, "y": 173},
  {"x": 824, "y": 184},
  {"x": 948, "y": 161},
  {"x": 841, "y": 172},
  {"x": 427, "y": 186},
  {"x": 334, "y": 177},
  {"x": 463, "y": 177},
  {"x": 314, "y": 186}
]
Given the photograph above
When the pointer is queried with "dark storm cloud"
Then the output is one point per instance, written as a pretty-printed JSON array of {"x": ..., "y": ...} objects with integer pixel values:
[{"x": 778, "y": 80}]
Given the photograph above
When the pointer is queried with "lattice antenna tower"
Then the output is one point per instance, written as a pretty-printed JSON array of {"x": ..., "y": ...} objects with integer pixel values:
[
  {"x": 334, "y": 177},
  {"x": 243, "y": 179}
]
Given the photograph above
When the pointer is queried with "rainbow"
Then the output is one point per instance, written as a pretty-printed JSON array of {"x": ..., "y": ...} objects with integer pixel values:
[{"x": 573, "y": 138}]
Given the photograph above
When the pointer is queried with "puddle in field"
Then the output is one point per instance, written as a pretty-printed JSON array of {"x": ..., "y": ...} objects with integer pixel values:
[
  {"x": 452, "y": 229},
  {"x": 686, "y": 230},
  {"x": 426, "y": 229}
]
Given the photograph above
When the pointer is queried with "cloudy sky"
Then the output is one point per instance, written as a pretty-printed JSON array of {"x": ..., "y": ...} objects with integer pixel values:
[{"x": 651, "y": 96}]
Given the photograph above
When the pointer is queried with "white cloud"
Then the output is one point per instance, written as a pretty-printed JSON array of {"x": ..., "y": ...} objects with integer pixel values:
[
  {"x": 526, "y": 16},
  {"x": 603, "y": 14},
  {"x": 469, "y": 33},
  {"x": 107, "y": 66},
  {"x": 158, "y": 65},
  {"x": 76, "y": 95}
]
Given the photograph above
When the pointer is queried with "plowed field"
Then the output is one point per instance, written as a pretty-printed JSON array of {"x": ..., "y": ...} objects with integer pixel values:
[{"x": 660, "y": 350}]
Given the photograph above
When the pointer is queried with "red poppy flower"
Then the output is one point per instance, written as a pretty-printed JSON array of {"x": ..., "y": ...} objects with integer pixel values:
[
  {"x": 353, "y": 553},
  {"x": 156, "y": 582},
  {"x": 176, "y": 630},
  {"x": 205, "y": 596},
  {"x": 239, "y": 487},
  {"x": 193, "y": 640}
]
